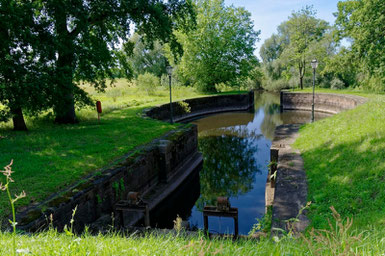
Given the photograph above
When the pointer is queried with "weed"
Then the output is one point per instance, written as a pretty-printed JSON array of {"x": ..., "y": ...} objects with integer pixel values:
[
  {"x": 263, "y": 224},
  {"x": 338, "y": 240},
  {"x": 7, "y": 172},
  {"x": 184, "y": 106},
  {"x": 70, "y": 231},
  {"x": 178, "y": 224}
]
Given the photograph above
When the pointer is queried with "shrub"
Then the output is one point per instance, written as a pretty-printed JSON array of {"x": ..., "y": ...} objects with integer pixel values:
[
  {"x": 148, "y": 82},
  {"x": 337, "y": 84},
  {"x": 276, "y": 85}
]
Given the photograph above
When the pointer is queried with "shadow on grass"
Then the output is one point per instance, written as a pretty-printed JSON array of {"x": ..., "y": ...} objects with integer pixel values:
[
  {"x": 50, "y": 157},
  {"x": 350, "y": 177}
]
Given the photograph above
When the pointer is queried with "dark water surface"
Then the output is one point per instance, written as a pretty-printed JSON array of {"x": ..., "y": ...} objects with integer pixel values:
[{"x": 236, "y": 152}]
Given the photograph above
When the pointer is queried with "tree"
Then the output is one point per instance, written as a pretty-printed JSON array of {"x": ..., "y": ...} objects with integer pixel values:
[
  {"x": 296, "y": 43},
  {"x": 145, "y": 58},
  {"x": 23, "y": 71},
  {"x": 363, "y": 22},
  {"x": 221, "y": 49},
  {"x": 304, "y": 30},
  {"x": 82, "y": 37}
]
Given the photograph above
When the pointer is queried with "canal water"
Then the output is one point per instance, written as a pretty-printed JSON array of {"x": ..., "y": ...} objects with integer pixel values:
[{"x": 236, "y": 152}]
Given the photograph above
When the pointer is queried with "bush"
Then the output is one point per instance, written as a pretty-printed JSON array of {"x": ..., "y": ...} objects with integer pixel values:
[
  {"x": 337, "y": 84},
  {"x": 251, "y": 84},
  {"x": 373, "y": 83},
  {"x": 275, "y": 85},
  {"x": 222, "y": 87},
  {"x": 148, "y": 82}
]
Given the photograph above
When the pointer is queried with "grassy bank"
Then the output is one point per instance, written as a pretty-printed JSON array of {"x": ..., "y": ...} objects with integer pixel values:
[
  {"x": 340, "y": 241},
  {"x": 49, "y": 157},
  {"x": 344, "y": 161}
]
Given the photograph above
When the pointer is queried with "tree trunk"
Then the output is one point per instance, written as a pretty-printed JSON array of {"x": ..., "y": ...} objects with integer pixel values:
[
  {"x": 301, "y": 71},
  {"x": 65, "y": 110},
  {"x": 301, "y": 82},
  {"x": 64, "y": 98},
  {"x": 18, "y": 120},
  {"x": 64, "y": 103},
  {"x": 64, "y": 106}
]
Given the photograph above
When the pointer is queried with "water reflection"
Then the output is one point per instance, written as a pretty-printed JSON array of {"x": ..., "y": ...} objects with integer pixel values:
[
  {"x": 236, "y": 151},
  {"x": 229, "y": 167}
]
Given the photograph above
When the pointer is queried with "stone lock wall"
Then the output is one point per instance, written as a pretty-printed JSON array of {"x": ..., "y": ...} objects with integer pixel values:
[
  {"x": 97, "y": 194},
  {"x": 202, "y": 106},
  {"x": 323, "y": 102}
]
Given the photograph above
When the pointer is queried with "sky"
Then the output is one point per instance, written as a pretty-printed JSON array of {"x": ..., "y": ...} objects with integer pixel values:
[{"x": 268, "y": 14}]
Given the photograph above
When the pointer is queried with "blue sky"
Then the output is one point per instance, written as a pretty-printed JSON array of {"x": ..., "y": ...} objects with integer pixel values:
[{"x": 268, "y": 14}]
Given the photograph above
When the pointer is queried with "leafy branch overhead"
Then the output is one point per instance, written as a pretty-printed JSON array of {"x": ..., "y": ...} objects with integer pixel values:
[{"x": 67, "y": 42}]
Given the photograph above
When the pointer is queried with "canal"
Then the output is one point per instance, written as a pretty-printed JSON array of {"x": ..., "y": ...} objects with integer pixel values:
[{"x": 236, "y": 152}]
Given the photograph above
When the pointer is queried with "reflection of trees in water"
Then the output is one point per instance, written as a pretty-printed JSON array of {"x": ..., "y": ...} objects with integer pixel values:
[
  {"x": 265, "y": 98},
  {"x": 269, "y": 123},
  {"x": 271, "y": 108},
  {"x": 241, "y": 131},
  {"x": 229, "y": 167}
]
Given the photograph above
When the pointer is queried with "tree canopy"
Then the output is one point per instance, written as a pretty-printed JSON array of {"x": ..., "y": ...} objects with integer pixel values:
[
  {"x": 220, "y": 49},
  {"x": 299, "y": 39},
  {"x": 363, "y": 22},
  {"x": 23, "y": 71},
  {"x": 78, "y": 42}
]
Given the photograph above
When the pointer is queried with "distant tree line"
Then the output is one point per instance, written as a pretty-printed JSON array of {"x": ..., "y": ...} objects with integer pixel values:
[{"x": 350, "y": 54}]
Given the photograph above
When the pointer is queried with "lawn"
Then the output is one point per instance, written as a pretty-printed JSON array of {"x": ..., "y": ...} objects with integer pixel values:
[
  {"x": 54, "y": 243},
  {"x": 49, "y": 157},
  {"x": 344, "y": 161}
]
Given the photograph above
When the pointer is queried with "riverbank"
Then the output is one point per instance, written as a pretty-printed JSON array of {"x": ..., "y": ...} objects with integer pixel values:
[{"x": 344, "y": 162}]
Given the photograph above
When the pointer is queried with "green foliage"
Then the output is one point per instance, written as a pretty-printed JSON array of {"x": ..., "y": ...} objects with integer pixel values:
[
  {"x": 148, "y": 83},
  {"x": 343, "y": 66},
  {"x": 184, "y": 106},
  {"x": 23, "y": 72},
  {"x": 337, "y": 84},
  {"x": 78, "y": 39},
  {"x": 255, "y": 79},
  {"x": 288, "y": 53},
  {"x": 220, "y": 49},
  {"x": 364, "y": 23},
  {"x": 143, "y": 58}
]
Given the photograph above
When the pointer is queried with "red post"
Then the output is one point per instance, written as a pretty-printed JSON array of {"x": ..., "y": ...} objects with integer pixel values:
[{"x": 99, "y": 109}]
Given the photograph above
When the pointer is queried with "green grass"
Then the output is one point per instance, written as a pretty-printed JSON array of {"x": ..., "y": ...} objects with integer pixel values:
[
  {"x": 344, "y": 159},
  {"x": 339, "y": 242},
  {"x": 49, "y": 157}
]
